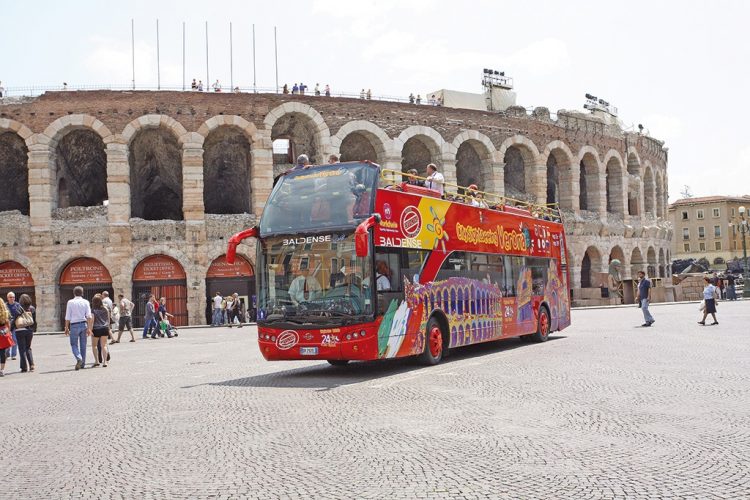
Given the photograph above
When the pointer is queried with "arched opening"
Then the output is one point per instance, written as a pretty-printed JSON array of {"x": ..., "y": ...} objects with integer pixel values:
[
  {"x": 14, "y": 171},
  {"x": 636, "y": 262},
  {"x": 357, "y": 146},
  {"x": 473, "y": 164},
  {"x": 633, "y": 197},
  {"x": 649, "y": 191},
  {"x": 652, "y": 262},
  {"x": 614, "y": 187},
  {"x": 81, "y": 168},
  {"x": 155, "y": 175},
  {"x": 226, "y": 279},
  {"x": 226, "y": 172},
  {"x": 590, "y": 265},
  {"x": 86, "y": 272},
  {"x": 617, "y": 253},
  {"x": 515, "y": 173},
  {"x": 14, "y": 277},
  {"x": 553, "y": 180},
  {"x": 659, "y": 197},
  {"x": 589, "y": 181},
  {"x": 300, "y": 131},
  {"x": 418, "y": 152},
  {"x": 162, "y": 276},
  {"x": 634, "y": 165}
]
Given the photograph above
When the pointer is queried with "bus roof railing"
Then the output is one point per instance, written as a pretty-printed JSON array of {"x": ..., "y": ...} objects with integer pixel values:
[{"x": 484, "y": 199}]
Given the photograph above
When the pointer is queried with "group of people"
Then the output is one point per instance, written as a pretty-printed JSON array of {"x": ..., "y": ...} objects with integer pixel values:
[
  {"x": 17, "y": 327},
  {"x": 229, "y": 310},
  {"x": 711, "y": 295},
  {"x": 432, "y": 101},
  {"x": 301, "y": 89}
]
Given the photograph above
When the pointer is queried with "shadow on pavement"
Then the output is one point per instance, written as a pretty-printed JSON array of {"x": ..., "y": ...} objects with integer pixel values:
[{"x": 326, "y": 377}]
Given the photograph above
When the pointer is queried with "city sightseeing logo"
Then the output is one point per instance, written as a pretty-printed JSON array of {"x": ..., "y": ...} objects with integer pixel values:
[
  {"x": 411, "y": 222},
  {"x": 287, "y": 339}
]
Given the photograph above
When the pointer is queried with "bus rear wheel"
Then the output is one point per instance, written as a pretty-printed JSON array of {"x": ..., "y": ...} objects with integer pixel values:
[
  {"x": 434, "y": 347},
  {"x": 338, "y": 362},
  {"x": 542, "y": 331}
]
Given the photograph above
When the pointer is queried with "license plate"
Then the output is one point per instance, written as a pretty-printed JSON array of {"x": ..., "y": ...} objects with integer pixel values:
[{"x": 308, "y": 351}]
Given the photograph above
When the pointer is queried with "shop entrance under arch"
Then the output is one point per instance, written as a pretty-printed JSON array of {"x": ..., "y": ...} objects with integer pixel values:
[
  {"x": 14, "y": 277},
  {"x": 227, "y": 279},
  {"x": 85, "y": 272},
  {"x": 162, "y": 276}
]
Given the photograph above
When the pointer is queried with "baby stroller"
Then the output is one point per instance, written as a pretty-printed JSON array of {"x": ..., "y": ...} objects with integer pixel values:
[{"x": 166, "y": 328}]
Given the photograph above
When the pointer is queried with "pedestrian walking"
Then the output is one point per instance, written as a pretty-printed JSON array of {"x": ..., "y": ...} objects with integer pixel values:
[
  {"x": 101, "y": 327},
  {"x": 79, "y": 323},
  {"x": 200, "y": 85},
  {"x": 411, "y": 98},
  {"x": 731, "y": 290},
  {"x": 216, "y": 318},
  {"x": 110, "y": 306},
  {"x": 216, "y": 86},
  {"x": 285, "y": 89},
  {"x": 23, "y": 317},
  {"x": 126, "y": 321},
  {"x": 369, "y": 94},
  {"x": 6, "y": 339},
  {"x": 164, "y": 318},
  {"x": 328, "y": 90},
  {"x": 722, "y": 292},
  {"x": 362, "y": 94},
  {"x": 2, "y": 89},
  {"x": 150, "y": 319},
  {"x": 419, "y": 99},
  {"x": 12, "y": 306},
  {"x": 317, "y": 89},
  {"x": 710, "y": 294},
  {"x": 194, "y": 85},
  {"x": 295, "y": 89},
  {"x": 644, "y": 298}
]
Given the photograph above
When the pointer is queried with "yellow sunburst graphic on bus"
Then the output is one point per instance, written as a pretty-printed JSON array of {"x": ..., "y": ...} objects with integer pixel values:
[{"x": 433, "y": 233}]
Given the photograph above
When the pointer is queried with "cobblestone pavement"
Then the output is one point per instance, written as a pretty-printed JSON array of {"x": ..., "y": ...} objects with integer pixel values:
[{"x": 603, "y": 410}]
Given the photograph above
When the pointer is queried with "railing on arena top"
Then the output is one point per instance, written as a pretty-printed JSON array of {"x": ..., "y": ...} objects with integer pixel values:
[{"x": 394, "y": 179}]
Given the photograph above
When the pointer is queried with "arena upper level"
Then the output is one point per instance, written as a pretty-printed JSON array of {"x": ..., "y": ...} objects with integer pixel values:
[{"x": 145, "y": 187}]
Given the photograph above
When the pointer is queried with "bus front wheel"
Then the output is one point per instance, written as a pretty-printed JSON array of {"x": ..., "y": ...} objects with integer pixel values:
[
  {"x": 542, "y": 331},
  {"x": 434, "y": 347}
]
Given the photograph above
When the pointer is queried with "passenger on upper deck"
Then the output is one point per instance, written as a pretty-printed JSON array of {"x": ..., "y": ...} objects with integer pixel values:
[
  {"x": 413, "y": 180},
  {"x": 435, "y": 179}
]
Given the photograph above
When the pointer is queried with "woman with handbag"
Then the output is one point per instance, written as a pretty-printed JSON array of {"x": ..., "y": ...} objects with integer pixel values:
[
  {"x": 6, "y": 339},
  {"x": 709, "y": 297},
  {"x": 100, "y": 330},
  {"x": 24, "y": 319}
]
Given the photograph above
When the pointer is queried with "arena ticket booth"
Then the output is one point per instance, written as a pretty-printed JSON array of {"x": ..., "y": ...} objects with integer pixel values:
[
  {"x": 227, "y": 279},
  {"x": 164, "y": 277},
  {"x": 88, "y": 273},
  {"x": 14, "y": 277}
]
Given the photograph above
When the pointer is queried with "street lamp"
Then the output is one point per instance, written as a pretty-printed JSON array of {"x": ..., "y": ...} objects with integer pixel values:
[{"x": 744, "y": 230}]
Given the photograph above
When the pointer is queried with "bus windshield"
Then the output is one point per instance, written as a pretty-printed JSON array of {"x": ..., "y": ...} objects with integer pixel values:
[
  {"x": 329, "y": 196},
  {"x": 316, "y": 280}
]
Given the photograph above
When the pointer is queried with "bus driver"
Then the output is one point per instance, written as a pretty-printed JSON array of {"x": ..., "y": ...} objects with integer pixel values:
[{"x": 304, "y": 287}]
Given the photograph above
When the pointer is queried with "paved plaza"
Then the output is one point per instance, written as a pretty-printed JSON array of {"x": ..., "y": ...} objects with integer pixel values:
[{"x": 605, "y": 409}]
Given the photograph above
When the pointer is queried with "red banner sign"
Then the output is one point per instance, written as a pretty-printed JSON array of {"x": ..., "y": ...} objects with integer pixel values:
[
  {"x": 220, "y": 268},
  {"x": 14, "y": 275},
  {"x": 85, "y": 271},
  {"x": 158, "y": 268}
]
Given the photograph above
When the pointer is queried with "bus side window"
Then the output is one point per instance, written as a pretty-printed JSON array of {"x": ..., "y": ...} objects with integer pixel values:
[
  {"x": 513, "y": 266},
  {"x": 538, "y": 274},
  {"x": 456, "y": 264}
]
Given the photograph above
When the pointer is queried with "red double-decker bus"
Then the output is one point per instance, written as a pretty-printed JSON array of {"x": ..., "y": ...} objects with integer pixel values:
[{"x": 352, "y": 265}]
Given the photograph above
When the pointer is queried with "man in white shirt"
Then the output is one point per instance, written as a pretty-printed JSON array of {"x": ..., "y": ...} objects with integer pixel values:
[
  {"x": 126, "y": 320},
  {"x": 304, "y": 287},
  {"x": 216, "y": 318},
  {"x": 435, "y": 179},
  {"x": 79, "y": 324}
]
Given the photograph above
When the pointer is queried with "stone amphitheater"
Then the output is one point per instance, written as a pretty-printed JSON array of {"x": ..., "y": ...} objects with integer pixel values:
[{"x": 133, "y": 191}]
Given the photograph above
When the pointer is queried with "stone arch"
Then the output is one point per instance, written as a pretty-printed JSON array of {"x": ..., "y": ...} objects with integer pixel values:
[
  {"x": 80, "y": 173},
  {"x": 14, "y": 170},
  {"x": 649, "y": 190},
  {"x": 590, "y": 265},
  {"x": 474, "y": 157},
  {"x": 520, "y": 157},
  {"x": 636, "y": 261},
  {"x": 615, "y": 188},
  {"x": 231, "y": 121},
  {"x": 227, "y": 171},
  {"x": 361, "y": 140},
  {"x": 634, "y": 162},
  {"x": 590, "y": 179},
  {"x": 660, "y": 212},
  {"x": 419, "y": 146},
  {"x": 305, "y": 129},
  {"x": 561, "y": 175},
  {"x": 155, "y": 159},
  {"x": 617, "y": 253},
  {"x": 651, "y": 262}
]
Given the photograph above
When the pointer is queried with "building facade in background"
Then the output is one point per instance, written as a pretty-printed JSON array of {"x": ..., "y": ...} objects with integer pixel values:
[
  {"x": 706, "y": 227},
  {"x": 137, "y": 192}
]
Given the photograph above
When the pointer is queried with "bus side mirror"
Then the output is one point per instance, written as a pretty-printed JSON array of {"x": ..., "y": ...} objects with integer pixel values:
[
  {"x": 237, "y": 239},
  {"x": 361, "y": 234}
]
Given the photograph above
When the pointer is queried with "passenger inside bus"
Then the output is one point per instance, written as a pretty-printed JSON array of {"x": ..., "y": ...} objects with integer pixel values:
[{"x": 382, "y": 276}]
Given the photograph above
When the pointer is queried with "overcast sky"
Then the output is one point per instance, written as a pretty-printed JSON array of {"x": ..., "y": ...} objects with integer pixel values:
[{"x": 679, "y": 68}]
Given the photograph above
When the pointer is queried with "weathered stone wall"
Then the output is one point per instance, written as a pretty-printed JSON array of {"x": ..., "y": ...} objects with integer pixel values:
[{"x": 166, "y": 153}]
